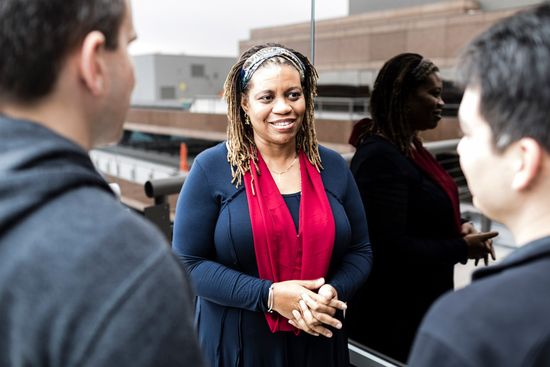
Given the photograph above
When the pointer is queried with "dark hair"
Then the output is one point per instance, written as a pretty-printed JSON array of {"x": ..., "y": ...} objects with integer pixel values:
[
  {"x": 509, "y": 65},
  {"x": 36, "y": 35},
  {"x": 241, "y": 146},
  {"x": 397, "y": 79}
]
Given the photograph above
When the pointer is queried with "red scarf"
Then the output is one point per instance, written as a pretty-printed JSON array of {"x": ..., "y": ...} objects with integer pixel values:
[
  {"x": 432, "y": 168},
  {"x": 281, "y": 254}
]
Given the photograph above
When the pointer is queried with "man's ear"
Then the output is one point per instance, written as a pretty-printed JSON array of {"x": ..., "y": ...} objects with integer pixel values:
[
  {"x": 527, "y": 164},
  {"x": 92, "y": 62}
]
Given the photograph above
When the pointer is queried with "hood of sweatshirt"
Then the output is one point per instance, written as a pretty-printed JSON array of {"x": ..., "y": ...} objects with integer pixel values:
[{"x": 36, "y": 166}]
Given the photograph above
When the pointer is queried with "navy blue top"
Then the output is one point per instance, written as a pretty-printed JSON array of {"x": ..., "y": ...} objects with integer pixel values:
[
  {"x": 213, "y": 237},
  {"x": 501, "y": 319},
  {"x": 293, "y": 203}
]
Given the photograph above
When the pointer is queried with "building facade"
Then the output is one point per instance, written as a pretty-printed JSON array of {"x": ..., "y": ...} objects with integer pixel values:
[
  {"x": 174, "y": 79},
  {"x": 363, "y": 6},
  {"x": 350, "y": 50}
]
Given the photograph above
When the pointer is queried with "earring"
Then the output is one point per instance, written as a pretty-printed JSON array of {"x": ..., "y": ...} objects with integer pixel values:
[{"x": 246, "y": 120}]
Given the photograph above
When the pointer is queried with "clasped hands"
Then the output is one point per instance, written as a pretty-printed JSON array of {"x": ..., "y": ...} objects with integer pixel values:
[{"x": 309, "y": 305}]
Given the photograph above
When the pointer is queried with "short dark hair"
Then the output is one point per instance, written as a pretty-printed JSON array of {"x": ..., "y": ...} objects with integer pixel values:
[
  {"x": 509, "y": 63},
  {"x": 36, "y": 35}
]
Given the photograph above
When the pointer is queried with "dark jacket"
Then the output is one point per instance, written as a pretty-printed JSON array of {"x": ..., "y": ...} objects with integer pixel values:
[
  {"x": 83, "y": 281},
  {"x": 415, "y": 247},
  {"x": 501, "y": 319}
]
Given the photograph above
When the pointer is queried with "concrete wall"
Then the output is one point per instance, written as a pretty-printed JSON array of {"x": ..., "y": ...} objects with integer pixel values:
[
  {"x": 176, "y": 71},
  {"x": 362, "y": 6},
  {"x": 145, "y": 89},
  {"x": 506, "y": 4}
]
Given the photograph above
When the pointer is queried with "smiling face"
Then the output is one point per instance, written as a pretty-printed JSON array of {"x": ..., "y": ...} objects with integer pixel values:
[
  {"x": 425, "y": 104},
  {"x": 275, "y": 104}
]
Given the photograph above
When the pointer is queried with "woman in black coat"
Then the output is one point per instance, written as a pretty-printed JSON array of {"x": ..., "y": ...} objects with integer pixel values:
[{"x": 412, "y": 209}]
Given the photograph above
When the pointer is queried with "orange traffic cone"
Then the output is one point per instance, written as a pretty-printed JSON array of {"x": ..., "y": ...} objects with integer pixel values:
[{"x": 183, "y": 158}]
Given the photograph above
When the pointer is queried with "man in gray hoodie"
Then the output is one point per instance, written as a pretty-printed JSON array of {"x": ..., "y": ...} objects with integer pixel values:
[{"x": 83, "y": 282}]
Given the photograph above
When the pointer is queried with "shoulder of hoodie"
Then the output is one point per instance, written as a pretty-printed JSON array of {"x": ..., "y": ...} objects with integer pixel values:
[
  {"x": 105, "y": 217},
  {"x": 98, "y": 256},
  {"x": 88, "y": 227}
]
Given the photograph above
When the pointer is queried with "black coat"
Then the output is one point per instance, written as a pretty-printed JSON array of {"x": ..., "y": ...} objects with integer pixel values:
[
  {"x": 415, "y": 247},
  {"x": 501, "y": 319}
]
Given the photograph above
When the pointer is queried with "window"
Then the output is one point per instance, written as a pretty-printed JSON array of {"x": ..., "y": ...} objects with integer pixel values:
[
  {"x": 167, "y": 93},
  {"x": 197, "y": 70}
]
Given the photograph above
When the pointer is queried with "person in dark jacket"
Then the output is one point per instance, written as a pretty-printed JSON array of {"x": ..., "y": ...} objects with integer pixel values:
[
  {"x": 412, "y": 209},
  {"x": 83, "y": 281},
  {"x": 271, "y": 226},
  {"x": 501, "y": 319}
]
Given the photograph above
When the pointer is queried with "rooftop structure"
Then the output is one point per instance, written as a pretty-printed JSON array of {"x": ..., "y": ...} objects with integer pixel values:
[
  {"x": 177, "y": 79},
  {"x": 350, "y": 50}
]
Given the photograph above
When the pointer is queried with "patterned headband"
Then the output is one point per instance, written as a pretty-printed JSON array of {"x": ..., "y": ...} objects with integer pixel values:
[
  {"x": 253, "y": 62},
  {"x": 423, "y": 68}
]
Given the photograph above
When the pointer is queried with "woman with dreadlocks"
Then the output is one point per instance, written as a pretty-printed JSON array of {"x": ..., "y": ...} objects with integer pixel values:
[
  {"x": 270, "y": 225},
  {"x": 412, "y": 208}
]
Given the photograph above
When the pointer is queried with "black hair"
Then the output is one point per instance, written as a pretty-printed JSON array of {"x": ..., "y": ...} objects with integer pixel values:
[
  {"x": 36, "y": 35},
  {"x": 399, "y": 77},
  {"x": 509, "y": 64}
]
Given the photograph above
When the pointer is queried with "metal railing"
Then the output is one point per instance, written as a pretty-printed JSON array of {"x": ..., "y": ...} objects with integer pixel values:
[
  {"x": 349, "y": 108},
  {"x": 361, "y": 356},
  {"x": 159, "y": 189},
  {"x": 342, "y": 104}
]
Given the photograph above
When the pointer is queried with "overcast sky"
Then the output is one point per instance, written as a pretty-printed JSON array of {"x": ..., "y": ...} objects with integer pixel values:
[{"x": 214, "y": 27}]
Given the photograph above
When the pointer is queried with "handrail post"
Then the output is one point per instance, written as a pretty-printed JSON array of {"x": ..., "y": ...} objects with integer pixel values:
[
  {"x": 159, "y": 190},
  {"x": 162, "y": 199}
]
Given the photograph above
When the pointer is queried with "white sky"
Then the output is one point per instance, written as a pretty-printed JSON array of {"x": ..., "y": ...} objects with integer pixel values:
[{"x": 214, "y": 27}]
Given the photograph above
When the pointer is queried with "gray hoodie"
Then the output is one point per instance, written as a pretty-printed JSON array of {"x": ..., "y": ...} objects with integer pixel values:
[{"x": 83, "y": 281}]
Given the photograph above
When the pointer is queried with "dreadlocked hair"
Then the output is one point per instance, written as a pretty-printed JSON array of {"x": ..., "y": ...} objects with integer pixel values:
[
  {"x": 241, "y": 149},
  {"x": 398, "y": 78}
]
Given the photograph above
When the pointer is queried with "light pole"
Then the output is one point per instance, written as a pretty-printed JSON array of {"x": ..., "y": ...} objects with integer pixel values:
[{"x": 312, "y": 32}]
